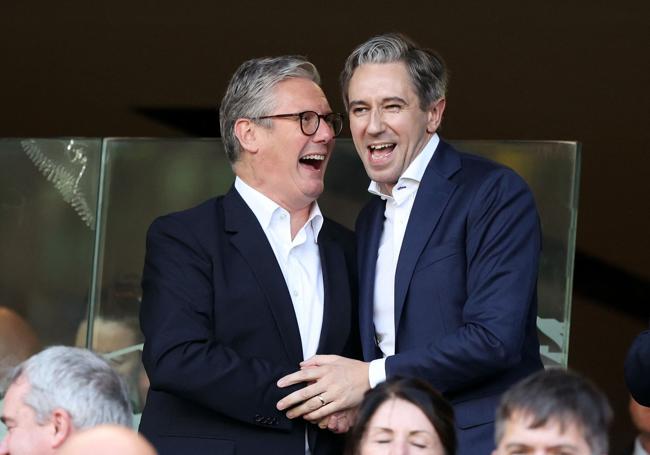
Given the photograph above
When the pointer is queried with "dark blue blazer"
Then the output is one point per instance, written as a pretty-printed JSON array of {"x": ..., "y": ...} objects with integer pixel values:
[
  {"x": 637, "y": 369},
  {"x": 465, "y": 287},
  {"x": 220, "y": 330}
]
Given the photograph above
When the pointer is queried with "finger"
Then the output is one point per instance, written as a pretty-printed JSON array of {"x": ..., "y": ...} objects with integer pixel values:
[
  {"x": 318, "y": 360},
  {"x": 334, "y": 421},
  {"x": 300, "y": 396},
  {"x": 323, "y": 411},
  {"x": 326, "y": 422},
  {"x": 307, "y": 407},
  {"x": 306, "y": 375}
]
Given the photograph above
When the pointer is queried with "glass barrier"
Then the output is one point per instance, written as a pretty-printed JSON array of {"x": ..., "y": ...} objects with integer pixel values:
[
  {"x": 75, "y": 214},
  {"x": 48, "y": 198},
  {"x": 552, "y": 170}
]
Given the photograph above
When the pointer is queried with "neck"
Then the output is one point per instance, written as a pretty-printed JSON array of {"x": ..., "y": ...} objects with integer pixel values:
[
  {"x": 298, "y": 210},
  {"x": 298, "y": 219}
]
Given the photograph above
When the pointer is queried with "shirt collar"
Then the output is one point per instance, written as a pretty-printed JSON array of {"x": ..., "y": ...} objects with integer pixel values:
[
  {"x": 264, "y": 207},
  {"x": 415, "y": 171}
]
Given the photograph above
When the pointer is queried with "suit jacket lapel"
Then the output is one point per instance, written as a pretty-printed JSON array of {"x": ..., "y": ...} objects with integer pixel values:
[
  {"x": 249, "y": 238},
  {"x": 368, "y": 236},
  {"x": 433, "y": 194},
  {"x": 333, "y": 336}
]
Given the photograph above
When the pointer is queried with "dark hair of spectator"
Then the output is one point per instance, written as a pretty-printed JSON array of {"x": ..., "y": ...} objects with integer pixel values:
[
  {"x": 415, "y": 391},
  {"x": 560, "y": 396}
]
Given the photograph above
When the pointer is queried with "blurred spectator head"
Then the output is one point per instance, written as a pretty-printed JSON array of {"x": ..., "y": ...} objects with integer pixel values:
[
  {"x": 18, "y": 341},
  {"x": 57, "y": 392},
  {"x": 403, "y": 416},
  {"x": 113, "y": 337},
  {"x": 553, "y": 411},
  {"x": 107, "y": 440}
]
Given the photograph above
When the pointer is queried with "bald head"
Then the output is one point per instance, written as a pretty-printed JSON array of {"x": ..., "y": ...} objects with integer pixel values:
[{"x": 107, "y": 440}]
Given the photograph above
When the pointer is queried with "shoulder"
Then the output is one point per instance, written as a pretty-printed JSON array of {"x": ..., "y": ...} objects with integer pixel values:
[
  {"x": 478, "y": 170},
  {"x": 193, "y": 220}
]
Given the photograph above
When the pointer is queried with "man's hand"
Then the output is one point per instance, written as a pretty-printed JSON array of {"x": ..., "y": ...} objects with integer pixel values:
[
  {"x": 335, "y": 383},
  {"x": 339, "y": 422}
]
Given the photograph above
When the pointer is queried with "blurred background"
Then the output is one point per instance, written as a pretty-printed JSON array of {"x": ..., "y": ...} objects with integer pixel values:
[{"x": 551, "y": 70}]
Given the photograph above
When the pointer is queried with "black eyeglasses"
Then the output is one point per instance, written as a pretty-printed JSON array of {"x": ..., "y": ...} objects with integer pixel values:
[{"x": 310, "y": 121}]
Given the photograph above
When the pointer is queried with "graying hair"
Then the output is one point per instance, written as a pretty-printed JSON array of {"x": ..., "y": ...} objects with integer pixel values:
[
  {"x": 562, "y": 397},
  {"x": 426, "y": 68},
  {"x": 250, "y": 93},
  {"x": 78, "y": 381}
]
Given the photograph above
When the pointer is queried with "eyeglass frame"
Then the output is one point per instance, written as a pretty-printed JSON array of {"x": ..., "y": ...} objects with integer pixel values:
[{"x": 300, "y": 116}]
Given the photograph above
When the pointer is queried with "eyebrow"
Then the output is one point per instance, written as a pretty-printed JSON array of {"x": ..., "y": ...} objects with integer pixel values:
[
  {"x": 390, "y": 99},
  {"x": 390, "y": 430}
]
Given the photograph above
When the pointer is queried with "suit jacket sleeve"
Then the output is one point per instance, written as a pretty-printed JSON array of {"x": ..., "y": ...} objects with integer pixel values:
[
  {"x": 181, "y": 355},
  {"x": 501, "y": 247}
]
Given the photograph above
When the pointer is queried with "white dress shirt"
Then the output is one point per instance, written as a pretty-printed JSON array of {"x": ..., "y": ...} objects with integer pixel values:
[
  {"x": 638, "y": 448},
  {"x": 299, "y": 260},
  {"x": 398, "y": 209}
]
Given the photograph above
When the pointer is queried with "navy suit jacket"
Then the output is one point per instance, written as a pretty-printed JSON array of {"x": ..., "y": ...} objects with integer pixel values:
[
  {"x": 465, "y": 286},
  {"x": 220, "y": 330},
  {"x": 637, "y": 369}
]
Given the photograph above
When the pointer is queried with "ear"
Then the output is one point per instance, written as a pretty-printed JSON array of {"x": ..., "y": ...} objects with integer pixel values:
[
  {"x": 62, "y": 425},
  {"x": 246, "y": 132},
  {"x": 434, "y": 115}
]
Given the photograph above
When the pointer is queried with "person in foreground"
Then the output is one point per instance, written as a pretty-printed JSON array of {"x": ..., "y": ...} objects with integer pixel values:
[
  {"x": 553, "y": 412},
  {"x": 56, "y": 393},
  {"x": 107, "y": 440},
  {"x": 637, "y": 368},
  {"x": 640, "y": 416},
  {"x": 403, "y": 416},
  {"x": 448, "y": 253},
  {"x": 240, "y": 289}
]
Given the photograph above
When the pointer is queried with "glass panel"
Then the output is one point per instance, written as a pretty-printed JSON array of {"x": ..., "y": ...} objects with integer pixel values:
[
  {"x": 144, "y": 178},
  {"x": 552, "y": 170},
  {"x": 48, "y": 198}
]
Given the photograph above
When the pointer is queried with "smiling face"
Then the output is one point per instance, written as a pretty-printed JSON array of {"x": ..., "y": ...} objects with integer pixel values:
[
  {"x": 550, "y": 439},
  {"x": 400, "y": 427},
  {"x": 280, "y": 161},
  {"x": 388, "y": 126},
  {"x": 25, "y": 436}
]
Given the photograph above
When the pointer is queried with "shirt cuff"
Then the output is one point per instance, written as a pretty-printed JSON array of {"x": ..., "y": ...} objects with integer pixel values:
[{"x": 376, "y": 372}]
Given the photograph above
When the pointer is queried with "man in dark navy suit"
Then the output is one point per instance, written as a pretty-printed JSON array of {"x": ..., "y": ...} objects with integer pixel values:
[
  {"x": 448, "y": 254},
  {"x": 240, "y": 289}
]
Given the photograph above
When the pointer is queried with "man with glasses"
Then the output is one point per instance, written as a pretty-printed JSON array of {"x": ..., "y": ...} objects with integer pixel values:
[
  {"x": 239, "y": 290},
  {"x": 448, "y": 254}
]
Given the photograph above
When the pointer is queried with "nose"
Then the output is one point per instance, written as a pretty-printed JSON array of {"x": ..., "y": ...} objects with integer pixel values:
[
  {"x": 399, "y": 447},
  {"x": 324, "y": 133},
  {"x": 375, "y": 122}
]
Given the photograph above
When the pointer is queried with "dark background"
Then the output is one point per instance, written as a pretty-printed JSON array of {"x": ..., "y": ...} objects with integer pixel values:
[{"x": 552, "y": 70}]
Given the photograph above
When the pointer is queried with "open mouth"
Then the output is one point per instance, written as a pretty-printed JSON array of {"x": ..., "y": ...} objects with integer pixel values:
[
  {"x": 314, "y": 161},
  {"x": 381, "y": 151}
]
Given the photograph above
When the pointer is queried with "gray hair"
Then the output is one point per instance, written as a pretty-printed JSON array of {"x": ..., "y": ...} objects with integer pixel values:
[
  {"x": 78, "y": 381},
  {"x": 426, "y": 68},
  {"x": 559, "y": 396},
  {"x": 250, "y": 93}
]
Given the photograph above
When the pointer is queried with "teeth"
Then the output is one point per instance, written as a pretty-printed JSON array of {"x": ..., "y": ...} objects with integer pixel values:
[
  {"x": 313, "y": 157},
  {"x": 380, "y": 147}
]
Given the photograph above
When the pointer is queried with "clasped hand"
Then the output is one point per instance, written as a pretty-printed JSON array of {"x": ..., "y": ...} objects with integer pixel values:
[{"x": 336, "y": 387}]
